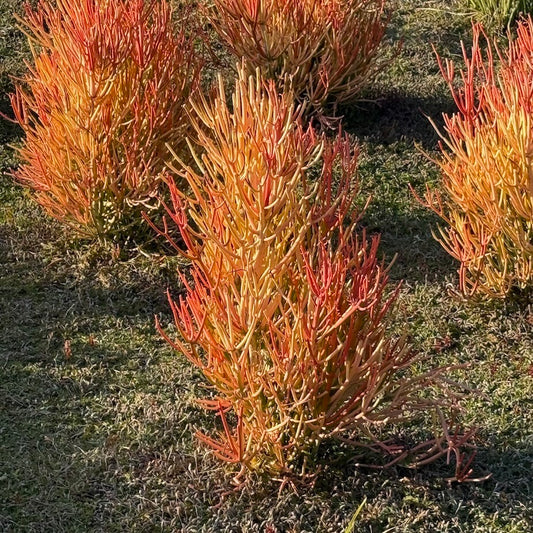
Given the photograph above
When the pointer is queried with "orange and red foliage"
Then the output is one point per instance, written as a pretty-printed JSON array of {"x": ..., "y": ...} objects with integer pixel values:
[
  {"x": 285, "y": 312},
  {"x": 105, "y": 93},
  {"x": 487, "y": 168},
  {"x": 325, "y": 50}
]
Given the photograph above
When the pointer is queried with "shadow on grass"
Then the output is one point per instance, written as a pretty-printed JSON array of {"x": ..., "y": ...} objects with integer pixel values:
[
  {"x": 75, "y": 433},
  {"x": 407, "y": 236},
  {"x": 500, "y": 503},
  {"x": 426, "y": 494},
  {"x": 9, "y": 130},
  {"x": 395, "y": 117},
  {"x": 398, "y": 499},
  {"x": 86, "y": 387},
  {"x": 43, "y": 302}
]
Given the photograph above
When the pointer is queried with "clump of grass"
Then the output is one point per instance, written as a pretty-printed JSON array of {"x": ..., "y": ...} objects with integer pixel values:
[{"x": 499, "y": 13}]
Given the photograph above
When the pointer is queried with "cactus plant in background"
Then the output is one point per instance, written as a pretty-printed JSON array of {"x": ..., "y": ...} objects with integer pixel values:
[
  {"x": 104, "y": 94},
  {"x": 499, "y": 13},
  {"x": 326, "y": 50},
  {"x": 487, "y": 168},
  {"x": 285, "y": 312}
]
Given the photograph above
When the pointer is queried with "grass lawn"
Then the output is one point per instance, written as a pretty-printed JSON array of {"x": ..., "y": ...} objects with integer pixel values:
[{"x": 98, "y": 414}]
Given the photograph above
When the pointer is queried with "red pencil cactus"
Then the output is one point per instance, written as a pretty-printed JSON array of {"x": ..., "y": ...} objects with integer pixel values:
[
  {"x": 285, "y": 312},
  {"x": 327, "y": 51},
  {"x": 487, "y": 171},
  {"x": 105, "y": 93}
]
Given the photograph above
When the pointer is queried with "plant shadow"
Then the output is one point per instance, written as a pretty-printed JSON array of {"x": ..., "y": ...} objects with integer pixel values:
[
  {"x": 506, "y": 494},
  {"x": 9, "y": 130},
  {"x": 397, "y": 117},
  {"x": 424, "y": 495},
  {"x": 86, "y": 385},
  {"x": 406, "y": 239}
]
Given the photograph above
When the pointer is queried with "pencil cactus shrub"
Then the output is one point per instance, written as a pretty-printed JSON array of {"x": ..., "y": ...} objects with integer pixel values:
[
  {"x": 105, "y": 92},
  {"x": 499, "y": 13},
  {"x": 487, "y": 168},
  {"x": 284, "y": 312},
  {"x": 327, "y": 51}
]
